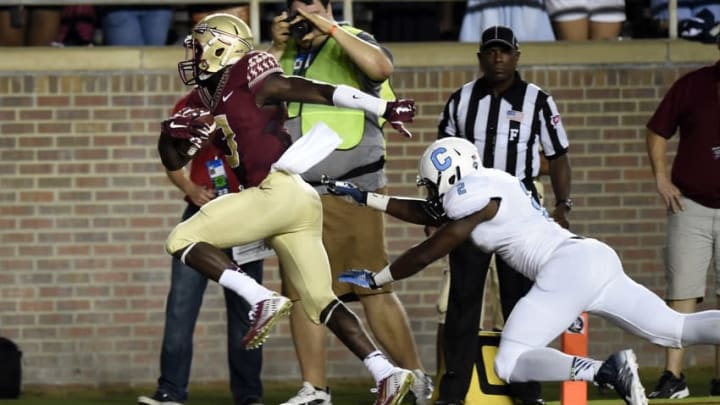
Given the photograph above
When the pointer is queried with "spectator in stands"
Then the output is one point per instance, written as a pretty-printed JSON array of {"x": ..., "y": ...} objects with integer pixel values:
[
  {"x": 201, "y": 10},
  {"x": 29, "y": 26},
  {"x": 77, "y": 26},
  {"x": 136, "y": 25},
  {"x": 528, "y": 19},
  {"x": 697, "y": 19},
  {"x": 577, "y": 20}
]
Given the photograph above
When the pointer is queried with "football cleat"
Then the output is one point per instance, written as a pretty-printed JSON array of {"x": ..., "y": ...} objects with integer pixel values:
[
  {"x": 392, "y": 389},
  {"x": 263, "y": 317},
  {"x": 309, "y": 395},
  {"x": 670, "y": 387},
  {"x": 620, "y": 371},
  {"x": 160, "y": 398},
  {"x": 422, "y": 388}
]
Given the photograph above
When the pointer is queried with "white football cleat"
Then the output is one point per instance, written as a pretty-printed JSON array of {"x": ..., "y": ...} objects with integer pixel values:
[{"x": 263, "y": 317}]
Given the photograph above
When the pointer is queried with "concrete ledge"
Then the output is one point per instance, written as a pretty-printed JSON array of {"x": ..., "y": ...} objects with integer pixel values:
[{"x": 433, "y": 54}]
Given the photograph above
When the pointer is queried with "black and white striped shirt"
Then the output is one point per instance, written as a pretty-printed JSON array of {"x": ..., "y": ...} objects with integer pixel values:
[{"x": 508, "y": 129}]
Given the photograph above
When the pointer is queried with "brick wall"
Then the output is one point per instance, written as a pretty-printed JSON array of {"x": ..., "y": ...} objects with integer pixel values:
[{"x": 85, "y": 206}]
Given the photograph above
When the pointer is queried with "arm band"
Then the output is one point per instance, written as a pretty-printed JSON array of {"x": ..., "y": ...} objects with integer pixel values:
[
  {"x": 377, "y": 201},
  {"x": 383, "y": 277},
  {"x": 348, "y": 97}
]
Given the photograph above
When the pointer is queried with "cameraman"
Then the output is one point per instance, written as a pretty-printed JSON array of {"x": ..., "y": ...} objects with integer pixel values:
[{"x": 308, "y": 42}]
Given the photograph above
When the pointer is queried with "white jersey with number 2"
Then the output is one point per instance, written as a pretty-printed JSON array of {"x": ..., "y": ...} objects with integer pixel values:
[
  {"x": 521, "y": 232},
  {"x": 571, "y": 274}
]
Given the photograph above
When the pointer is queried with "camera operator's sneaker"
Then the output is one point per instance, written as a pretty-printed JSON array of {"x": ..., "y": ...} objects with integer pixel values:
[
  {"x": 535, "y": 401},
  {"x": 265, "y": 314},
  {"x": 422, "y": 388},
  {"x": 309, "y": 395},
  {"x": 392, "y": 389},
  {"x": 620, "y": 371},
  {"x": 160, "y": 398},
  {"x": 670, "y": 387},
  {"x": 714, "y": 387}
]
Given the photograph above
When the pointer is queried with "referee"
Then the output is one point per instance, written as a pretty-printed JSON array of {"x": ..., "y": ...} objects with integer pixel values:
[{"x": 509, "y": 120}]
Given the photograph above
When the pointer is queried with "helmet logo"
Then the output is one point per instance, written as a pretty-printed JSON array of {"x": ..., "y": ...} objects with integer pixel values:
[{"x": 435, "y": 159}]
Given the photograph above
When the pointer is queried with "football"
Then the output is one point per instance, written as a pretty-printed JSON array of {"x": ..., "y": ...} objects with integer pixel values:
[{"x": 191, "y": 129}]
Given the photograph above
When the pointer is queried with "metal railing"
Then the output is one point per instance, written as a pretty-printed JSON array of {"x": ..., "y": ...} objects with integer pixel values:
[{"x": 255, "y": 8}]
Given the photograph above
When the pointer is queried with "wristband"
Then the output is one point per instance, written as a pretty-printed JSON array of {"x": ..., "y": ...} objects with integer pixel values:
[
  {"x": 383, "y": 277},
  {"x": 332, "y": 30},
  {"x": 348, "y": 97},
  {"x": 377, "y": 201}
]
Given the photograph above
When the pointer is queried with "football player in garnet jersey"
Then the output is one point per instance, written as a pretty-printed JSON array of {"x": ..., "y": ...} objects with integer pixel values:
[
  {"x": 571, "y": 274},
  {"x": 245, "y": 90}
]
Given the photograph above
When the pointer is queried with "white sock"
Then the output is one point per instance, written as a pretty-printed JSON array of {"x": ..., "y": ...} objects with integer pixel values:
[
  {"x": 378, "y": 365},
  {"x": 584, "y": 369},
  {"x": 244, "y": 286}
]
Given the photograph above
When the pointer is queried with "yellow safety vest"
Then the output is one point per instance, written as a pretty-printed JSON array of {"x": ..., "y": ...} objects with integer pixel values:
[{"x": 332, "y": 65}]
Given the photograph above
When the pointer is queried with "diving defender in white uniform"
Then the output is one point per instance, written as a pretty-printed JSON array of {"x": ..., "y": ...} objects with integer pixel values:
[{"x": 572, "y": 274}]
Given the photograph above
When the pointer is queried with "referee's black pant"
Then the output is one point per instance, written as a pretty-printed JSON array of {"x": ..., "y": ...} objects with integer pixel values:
[{"x": 468, "y": 271}]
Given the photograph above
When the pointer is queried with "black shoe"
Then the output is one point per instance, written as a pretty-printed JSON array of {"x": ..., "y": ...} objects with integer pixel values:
[
  {"x": 525, "y": 393},
  {"x": 619, "y": 371},
  {"x": 536, "y": 401},
  {"x": 160, "y": 398},
  {"x": 251, "y": 401},
  {"x": 671, "y": 387},
  {"x": 715, "y": 387}
]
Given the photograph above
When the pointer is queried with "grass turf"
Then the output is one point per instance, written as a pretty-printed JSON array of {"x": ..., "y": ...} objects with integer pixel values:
[{"x": 345, "y": 392}]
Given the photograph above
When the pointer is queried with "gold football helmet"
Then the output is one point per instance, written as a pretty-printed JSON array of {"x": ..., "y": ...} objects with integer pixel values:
[{"x": 217, "y": 41}]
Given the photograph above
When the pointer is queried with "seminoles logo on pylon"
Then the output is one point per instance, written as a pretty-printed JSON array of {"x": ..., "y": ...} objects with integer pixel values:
[{"x": 578, "y": 325}]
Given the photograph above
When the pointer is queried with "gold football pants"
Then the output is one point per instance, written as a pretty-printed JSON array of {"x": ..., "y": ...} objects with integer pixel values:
[{"x": 285, "y": 211}]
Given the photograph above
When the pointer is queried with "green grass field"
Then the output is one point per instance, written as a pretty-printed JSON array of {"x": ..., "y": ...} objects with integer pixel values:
[{"x": 345, "y": 392}]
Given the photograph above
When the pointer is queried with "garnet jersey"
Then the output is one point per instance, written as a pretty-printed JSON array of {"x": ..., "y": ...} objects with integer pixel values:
[
  {"x": 198, "y": 170},
  {"x": 521, "y": 231},
  {"x": 252, "y": 137}
]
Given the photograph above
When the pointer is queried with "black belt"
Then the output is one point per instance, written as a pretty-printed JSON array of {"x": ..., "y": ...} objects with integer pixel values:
[{"x": 358, "y": 171}]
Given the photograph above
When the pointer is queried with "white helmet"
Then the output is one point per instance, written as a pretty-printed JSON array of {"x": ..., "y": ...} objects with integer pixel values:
[
  {"x": 444, "y": 163},
  {"x": 217, "y": 41}
]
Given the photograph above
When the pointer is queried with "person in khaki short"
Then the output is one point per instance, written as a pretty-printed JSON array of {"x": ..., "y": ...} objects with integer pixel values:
[
  {"x": 353, "y": 236},
  {"x": 691, "y": 194}
]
